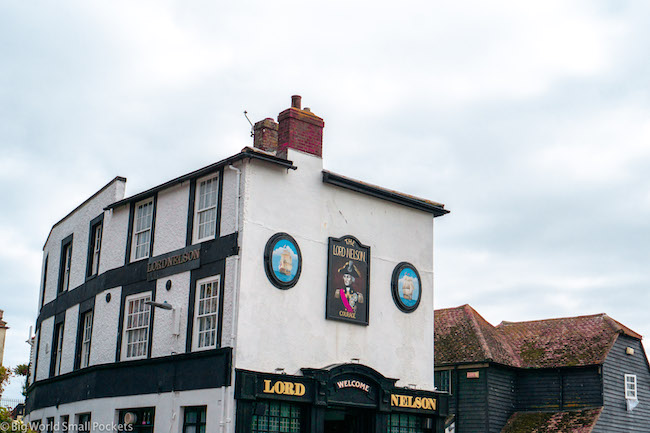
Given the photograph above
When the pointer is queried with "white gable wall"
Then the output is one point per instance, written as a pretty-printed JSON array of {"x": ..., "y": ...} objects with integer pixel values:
[{"x": 287, "y": 328}]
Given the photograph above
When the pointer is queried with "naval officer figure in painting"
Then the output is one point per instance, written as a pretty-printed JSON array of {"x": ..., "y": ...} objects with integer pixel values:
[{"x": 348, "y": 296}]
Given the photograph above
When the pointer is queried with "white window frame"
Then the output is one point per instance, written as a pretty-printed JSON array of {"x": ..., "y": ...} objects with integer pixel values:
[
  {"x": 201, "y": 315},
  {"x": 67, "y": 264},
  {"x": 200, "y": 209},
  {"x": 142, "y": 230},
  {"x": 136, "y": 323},
  {"x": 97, "y": 245},
  {"x": 58, "y": 354},
  {"x": 86, "y": 337},
  {"x": 631, "y": 393}
]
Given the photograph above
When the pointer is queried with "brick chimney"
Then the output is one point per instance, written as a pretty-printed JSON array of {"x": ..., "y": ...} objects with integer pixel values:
[
  {"x": 300, "y": 129},
  {"x": 266, "y": 135}
]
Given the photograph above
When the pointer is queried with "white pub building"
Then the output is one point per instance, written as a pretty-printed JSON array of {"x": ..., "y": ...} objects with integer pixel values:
[{"x": 258, "y": 294}]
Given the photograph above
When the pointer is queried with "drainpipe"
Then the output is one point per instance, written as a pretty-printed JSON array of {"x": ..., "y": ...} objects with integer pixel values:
[{"x": 235, "y": 311}]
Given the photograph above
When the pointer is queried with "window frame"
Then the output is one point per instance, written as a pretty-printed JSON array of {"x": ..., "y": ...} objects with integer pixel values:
[
  {"x": 274, "y": 414},
  {"x": 142, "y": 296},
  {"x": 65, "y": 266},
  {"x": 448, "y": 380},
  {"x": 49, "y": 425},
  {"x": 135, "y": 232},
  {"x": 64, "y": 423},
  {"x": 404, "y": 422},
  {"x": 198, "y": 423},
  {"x": 631, "y": 380},
  {"x": 84, "y": 356},
  {"x": 216, "y": 179},
  {"x": 44, "y": 280},
  {"x": 56, "y": 354},
  {"x": 215, "y": 280},
  {"x": 149, "y": 411},
  {"x": 94, "y": 247},
  {"x": 81, "y": 421}
]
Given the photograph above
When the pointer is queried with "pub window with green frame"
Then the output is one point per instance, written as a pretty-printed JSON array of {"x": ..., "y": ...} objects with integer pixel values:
[
  {"x": 137, "y": 420},
  {"x": 403, "y": 423},
  {"x": 276, "y": 417}
]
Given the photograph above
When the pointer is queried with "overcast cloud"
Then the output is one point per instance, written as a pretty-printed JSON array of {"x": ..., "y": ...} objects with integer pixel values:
[{"x": 531, "y": 123}]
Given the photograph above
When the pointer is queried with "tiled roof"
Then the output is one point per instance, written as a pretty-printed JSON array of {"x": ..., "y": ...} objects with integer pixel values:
[
  {"x": 580, "y": 421},
  {"x": 462, "y": 335}
]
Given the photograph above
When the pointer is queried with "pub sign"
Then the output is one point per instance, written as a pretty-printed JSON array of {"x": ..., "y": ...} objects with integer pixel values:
[{"x": 348, "y": 280}]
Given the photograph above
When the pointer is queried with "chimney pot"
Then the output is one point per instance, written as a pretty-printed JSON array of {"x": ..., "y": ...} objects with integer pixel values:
[{"x": 296, "y": 101}]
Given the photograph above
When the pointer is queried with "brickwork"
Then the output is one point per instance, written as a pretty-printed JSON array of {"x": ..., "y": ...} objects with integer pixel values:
[
  {"x": 266, "y": 135},
  {"x": 301, "y": 130}
]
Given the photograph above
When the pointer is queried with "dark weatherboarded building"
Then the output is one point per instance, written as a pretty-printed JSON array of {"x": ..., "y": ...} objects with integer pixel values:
[{"x": 586, "y": 374}]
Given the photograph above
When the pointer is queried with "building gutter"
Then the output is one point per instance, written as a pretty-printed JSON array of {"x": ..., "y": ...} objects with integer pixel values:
[{"x": 431, "y": 207}]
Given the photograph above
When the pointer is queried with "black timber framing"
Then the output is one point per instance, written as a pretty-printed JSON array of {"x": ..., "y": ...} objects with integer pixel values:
[
  {"x": 211, "y": 251},
  {"x": 146, "y": 376}
]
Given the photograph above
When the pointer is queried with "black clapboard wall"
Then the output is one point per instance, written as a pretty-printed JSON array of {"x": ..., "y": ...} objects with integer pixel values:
[{"x": 615, "y": 416}]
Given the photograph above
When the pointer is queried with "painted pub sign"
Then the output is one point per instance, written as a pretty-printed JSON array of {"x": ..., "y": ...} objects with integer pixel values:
[{"x": 348, "y": 280}]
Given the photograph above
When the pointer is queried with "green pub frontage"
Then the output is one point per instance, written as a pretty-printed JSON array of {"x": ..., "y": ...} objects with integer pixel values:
[{"x": 342, "y": 398}]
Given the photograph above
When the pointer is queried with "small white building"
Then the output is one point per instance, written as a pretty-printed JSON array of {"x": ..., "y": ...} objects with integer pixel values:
[{"x": 257, "y": 294}]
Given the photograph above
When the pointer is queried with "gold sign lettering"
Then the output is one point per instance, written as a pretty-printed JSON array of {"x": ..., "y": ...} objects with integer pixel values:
[
  {"x": 349, "y": 253},
  {"x": 426, "y": 403},
  {"x": 283, "y": 388},
  {"x": 173, "y": 260}
]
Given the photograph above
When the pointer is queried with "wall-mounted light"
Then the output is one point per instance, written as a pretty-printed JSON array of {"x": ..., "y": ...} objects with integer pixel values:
[
  {"x": 279, "y": 370},
  {"x": 354, "y": 360},
  {"x": 163, "y": 305}
]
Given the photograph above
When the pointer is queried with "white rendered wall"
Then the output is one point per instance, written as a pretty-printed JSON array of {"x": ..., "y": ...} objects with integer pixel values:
[
  {"x": 78, "y": 224},
  {"x": 166, "y": 336},
  {"x": 32, "y": 359},
  {"x": 229, "y": 200},
  {"x": 171, "y": 219},
  {"x": 44, "y": 349},
  {"x": 287, "y": 328},
  {"x": 106, "y": 317},
  {"x": 116, "y": 222},
  {"x": 69, "y": 339},
  {"x": 168, "y": 415}
]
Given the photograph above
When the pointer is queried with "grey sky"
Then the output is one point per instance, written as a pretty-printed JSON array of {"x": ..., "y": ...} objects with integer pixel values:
[{"x": 530, "y": 122}]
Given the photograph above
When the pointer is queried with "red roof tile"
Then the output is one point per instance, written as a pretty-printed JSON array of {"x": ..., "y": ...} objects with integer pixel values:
[
  {"x": 462, "y": 335},
  {"x": 581, "y": 421}
]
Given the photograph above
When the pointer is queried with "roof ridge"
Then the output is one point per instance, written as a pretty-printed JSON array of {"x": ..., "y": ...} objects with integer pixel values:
[
  {"x": 620, "y": 328},
  {"x": 453, "y": 308},
  {"x": 506, "y": 322},
  {"x": 479, "y": 332}
]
